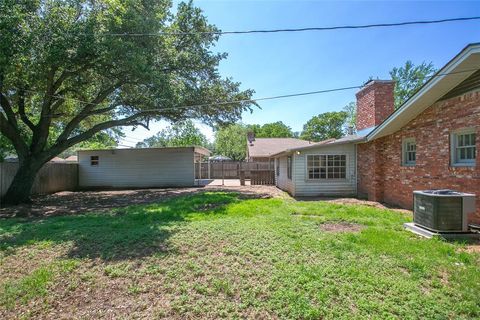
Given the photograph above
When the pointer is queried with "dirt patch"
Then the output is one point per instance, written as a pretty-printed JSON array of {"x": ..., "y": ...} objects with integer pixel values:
[
  {"x": 472, "y": 247},
  {"x": 335, "y": 227},
  {"x": 354, "y": 201},
  {"x": 81, "y": 202}
]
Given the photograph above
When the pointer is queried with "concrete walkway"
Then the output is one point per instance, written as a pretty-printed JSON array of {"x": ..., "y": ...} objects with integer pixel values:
[{"x": 219, "y": 182}]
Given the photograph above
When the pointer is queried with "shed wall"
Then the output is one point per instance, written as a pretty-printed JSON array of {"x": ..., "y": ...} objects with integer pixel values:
[{"x": 137, "y": 168}]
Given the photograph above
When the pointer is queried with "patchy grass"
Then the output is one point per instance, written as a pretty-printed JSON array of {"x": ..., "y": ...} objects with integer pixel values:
[{"x": 216, "y": 255}]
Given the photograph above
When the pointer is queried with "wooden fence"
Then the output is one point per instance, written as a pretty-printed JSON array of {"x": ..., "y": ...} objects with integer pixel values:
[
  {"x": 259, "y": 172},
  {"x": 229, "y": 169},
  {"x": 53, "y": 177},
  {"x": 263, "y": 177}
]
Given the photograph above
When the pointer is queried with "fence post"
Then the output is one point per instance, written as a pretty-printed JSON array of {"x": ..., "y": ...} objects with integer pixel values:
[
  {"x": 223, "y": 175},
  {"x": 208, "y": 168}
]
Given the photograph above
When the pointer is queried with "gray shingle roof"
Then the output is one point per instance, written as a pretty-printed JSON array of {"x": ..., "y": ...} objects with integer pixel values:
[
  {"x": 265, "y": 147},
  {"x": 347, "y": 139}
]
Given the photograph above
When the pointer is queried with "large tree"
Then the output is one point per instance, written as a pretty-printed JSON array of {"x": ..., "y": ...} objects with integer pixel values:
[
  {"x": 409, "y": 78},
  {"x": 70, "y": 69},
  {"x": 180, "y": 134},
  {"x": 325, "y": 126}
]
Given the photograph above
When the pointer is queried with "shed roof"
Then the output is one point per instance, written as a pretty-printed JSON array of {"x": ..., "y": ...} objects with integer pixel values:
[
  {"x": 266, "y": 147},
  {"x": 196, "y": 149}
]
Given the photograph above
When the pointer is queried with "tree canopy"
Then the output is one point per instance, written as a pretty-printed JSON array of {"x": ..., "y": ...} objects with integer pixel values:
[
  {"x": 271, "y": 130},
  {"x": 231, "y": 141},
  {"x": 409, "y": 78},
  {"x": 325, "y": 126},
  {"x": 72, "y": 69},
  {"x": 180, "y": 134}
]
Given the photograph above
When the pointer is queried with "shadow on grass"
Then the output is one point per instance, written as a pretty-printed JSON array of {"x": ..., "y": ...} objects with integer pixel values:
[{"x": 125, "y": 233}]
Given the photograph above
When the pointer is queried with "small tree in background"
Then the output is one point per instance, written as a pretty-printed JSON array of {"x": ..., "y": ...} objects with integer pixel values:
[
  {"x": 181, "y": 134},
  {"x": 325, "y": 126},
  {"x": 271, "y": 130},
  {"x": 351, "y": 110},
  {"x": 409, "y": 78},
  {"x": 231, "y": 141}
]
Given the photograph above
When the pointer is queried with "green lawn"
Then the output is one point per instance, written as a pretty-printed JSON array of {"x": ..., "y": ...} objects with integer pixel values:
[{"x": 215, "y": 255}]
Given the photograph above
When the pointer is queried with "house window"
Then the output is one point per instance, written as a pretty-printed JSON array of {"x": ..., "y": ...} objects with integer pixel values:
[
  {"x": 409, "y": 148},
  {"x": 289, "y": 168},
  {"x": 278, "y": 167},
  {"x": 464, "y": 149},
  {"x": 326, "y": 166},
  {"x": 94, "y": 160}
]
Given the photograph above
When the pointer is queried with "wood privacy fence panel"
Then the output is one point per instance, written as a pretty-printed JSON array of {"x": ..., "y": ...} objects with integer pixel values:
[
  {"x": 263, "y": 177},
  {"x": 53, "y": 177},
  {"x": 230, "y": 169}
]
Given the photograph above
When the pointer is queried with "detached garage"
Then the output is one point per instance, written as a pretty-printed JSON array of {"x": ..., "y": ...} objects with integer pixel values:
[{"x": 139, "y": 168}]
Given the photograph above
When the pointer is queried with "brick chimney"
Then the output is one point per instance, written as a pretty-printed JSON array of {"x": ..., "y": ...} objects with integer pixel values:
[{"x": 374, "y": 103}]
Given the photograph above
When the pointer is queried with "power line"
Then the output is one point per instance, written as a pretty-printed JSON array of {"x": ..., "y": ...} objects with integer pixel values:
[
  {"x": 344, "y": 27},
  {"x": 246, "y": 100}
]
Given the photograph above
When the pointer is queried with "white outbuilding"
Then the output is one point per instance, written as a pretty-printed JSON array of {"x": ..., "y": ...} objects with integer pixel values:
[{"x": 139, "y": 167}]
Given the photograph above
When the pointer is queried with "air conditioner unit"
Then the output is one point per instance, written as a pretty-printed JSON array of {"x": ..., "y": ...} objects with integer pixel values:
[{"x": 443, "y": 210}]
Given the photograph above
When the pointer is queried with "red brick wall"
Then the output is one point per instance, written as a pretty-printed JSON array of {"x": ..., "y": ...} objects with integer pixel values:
[
  {"x": 375, "y": 103},
  {"x": 431, "y": 130}
]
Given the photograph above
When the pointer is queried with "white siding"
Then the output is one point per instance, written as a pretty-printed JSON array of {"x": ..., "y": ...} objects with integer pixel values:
[
  {"x": 282, "y": 180},
  {"x": 328, "y": 187},
  {"x": 169, "y": 167}
]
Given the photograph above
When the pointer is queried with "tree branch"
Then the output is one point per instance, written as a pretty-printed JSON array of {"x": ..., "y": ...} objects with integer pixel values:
[
  {"x": 12, "y": 133},
  {"x": 61, "y": 145},
  {"x": 41, "y": 132},
  {"x": 21, "y": 111},
  {"x": 87, "y": 111},
  {"x": 8, "y": 110}
]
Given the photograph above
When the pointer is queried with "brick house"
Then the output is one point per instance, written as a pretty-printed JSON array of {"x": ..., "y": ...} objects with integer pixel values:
[{"x": 427, "y": 143}]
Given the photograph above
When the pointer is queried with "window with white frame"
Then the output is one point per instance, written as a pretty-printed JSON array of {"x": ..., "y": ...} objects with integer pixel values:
[
  {"x": 278, "y": 167},
  {"x": 409, "y": 155},
  {"x": 94, "y": 160},
  {"x": 464, "y": 151},
  {"x": 326, "y": 166},
  {"x": 289, "y": 167}
]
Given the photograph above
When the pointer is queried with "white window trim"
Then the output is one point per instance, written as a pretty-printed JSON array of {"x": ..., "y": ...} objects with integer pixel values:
[
  {"x": 453, "y": 148},
  {"x": 97, "y": 161},
  {"x": 404, "y": 150},
  {"x": 290, "y": 167},
  {"x": 347, "y": 167}
]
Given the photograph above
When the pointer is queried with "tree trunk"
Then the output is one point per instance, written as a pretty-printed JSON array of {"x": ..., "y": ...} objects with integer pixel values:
[{"x": 19, "y": 190}]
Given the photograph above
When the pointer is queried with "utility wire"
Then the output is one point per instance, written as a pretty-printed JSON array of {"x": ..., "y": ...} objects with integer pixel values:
[
  {"x": 247, "y": 100},
  {"x": 251, "y": 100},
  {"x": 344, "y": 27}
]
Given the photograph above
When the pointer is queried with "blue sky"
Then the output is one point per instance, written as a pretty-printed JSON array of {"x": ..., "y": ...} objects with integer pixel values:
[{"x": 283, "y": 63}]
